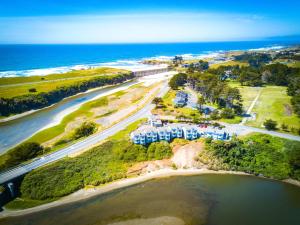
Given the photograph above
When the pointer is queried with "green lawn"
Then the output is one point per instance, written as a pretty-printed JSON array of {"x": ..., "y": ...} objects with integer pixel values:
[
  {"x": 248, "y": 93},
  {"x": 274, "y": 103},
  {"x": 15, "y": 86}
]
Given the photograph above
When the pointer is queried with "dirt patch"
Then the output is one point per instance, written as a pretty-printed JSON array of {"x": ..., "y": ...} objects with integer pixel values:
[
  {"x": 288, "y": 110},
  {"x": 149, "y": 166},
  {"x": 185, "y": 156}
]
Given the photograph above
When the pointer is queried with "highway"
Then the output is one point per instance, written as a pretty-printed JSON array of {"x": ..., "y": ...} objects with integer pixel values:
[{"x": 88, "y": 142}]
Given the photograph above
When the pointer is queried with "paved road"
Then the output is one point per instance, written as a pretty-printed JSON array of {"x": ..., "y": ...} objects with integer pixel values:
[
  {"x": 242, "y": 130},
  {"x": 248, "y": 129},
  {"x": 90, "y": 141}
]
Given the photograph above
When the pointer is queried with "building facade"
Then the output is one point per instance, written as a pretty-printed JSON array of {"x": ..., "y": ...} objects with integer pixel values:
[
  {"x": 181, "y": 99},
  {"x": 148, "y": 134}
]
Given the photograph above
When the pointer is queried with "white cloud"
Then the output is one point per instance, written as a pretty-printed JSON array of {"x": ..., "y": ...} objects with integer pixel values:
[{"x": 169, "y": 27}]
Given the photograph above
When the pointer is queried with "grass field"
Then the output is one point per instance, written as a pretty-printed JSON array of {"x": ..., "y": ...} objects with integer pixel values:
[
  {"x": 248, "y": 93},
  {"x": 15, "y": 86},
  {"x": 274, "y": 103},
  {"x": 229, "y": 63},
  {"x": 71, "y": 74},
  {"x": 294, "y": 64}
]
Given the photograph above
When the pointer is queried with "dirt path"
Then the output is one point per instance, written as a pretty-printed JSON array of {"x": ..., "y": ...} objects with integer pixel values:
[{"x": 244, "y": 120}]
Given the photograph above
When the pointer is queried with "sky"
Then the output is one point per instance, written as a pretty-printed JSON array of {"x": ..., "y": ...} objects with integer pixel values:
[{"x": 142, "y": 21}]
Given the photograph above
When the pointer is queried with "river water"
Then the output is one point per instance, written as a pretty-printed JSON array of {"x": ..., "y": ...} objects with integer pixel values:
[
  {"x": 16, "y": 131},
  {"x": 206, "y": 199}
]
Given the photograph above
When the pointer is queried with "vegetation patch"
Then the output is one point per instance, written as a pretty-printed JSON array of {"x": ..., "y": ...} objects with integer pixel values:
[
  {"x": 257, "y": 154},
  {"x": 23, "y": 103},
  {"x": 104, "y": 163},
  {"x": 272, "y": 104}
]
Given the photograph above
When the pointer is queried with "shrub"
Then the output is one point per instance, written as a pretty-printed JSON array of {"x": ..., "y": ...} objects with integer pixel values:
[
  {"x": 104, "y": 163},
  {"x": 227, "y": 113},
  {"x": 215, "y": 115},
  {"x": 270, "y": 124},
  {"x": 159, "y": 150},
  {"x": 32, "y": 90},
  {"x": 86, "y": 129},
  {"x": 23, "y": 152}
]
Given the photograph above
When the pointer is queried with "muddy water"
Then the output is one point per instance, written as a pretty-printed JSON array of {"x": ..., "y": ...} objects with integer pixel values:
[{"x": 206, "y": 199}]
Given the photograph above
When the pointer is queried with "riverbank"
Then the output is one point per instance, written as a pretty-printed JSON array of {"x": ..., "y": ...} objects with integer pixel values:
[
  {"x": 90, "y": 192},
  {"x": 24, "y": 114}
]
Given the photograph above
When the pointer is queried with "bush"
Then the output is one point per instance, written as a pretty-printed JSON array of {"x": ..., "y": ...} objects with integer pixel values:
[
  {"x": 100, "y": 165},
  {"x": 270, "y": 124},
  {"x": 32, "y": 90},
  {"x": 86, "y": 129},
  {"x": 23, "y": 152},
  {"x": 227, "y": 113},
  {"x": 159, "y": 150},
  {"x": 215, "y": 115}
]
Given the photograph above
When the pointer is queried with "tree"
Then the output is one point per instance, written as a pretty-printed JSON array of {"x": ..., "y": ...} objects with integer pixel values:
[
  {"x": 157, "y": 100},
  {"x": 202, "y": 65},
  {"x": 177, "y": 60},
  {"x": 200, "y": 102},
  {"x": 178, "y": 80},
  {"x": 270, "y": 124}
]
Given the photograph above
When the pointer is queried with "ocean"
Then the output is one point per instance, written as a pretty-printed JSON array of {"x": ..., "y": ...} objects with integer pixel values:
[{"x": 29, "y": 60}]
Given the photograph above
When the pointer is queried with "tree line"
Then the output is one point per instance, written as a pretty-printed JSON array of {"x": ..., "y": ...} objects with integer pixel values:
[
  {"x": 23, "y": 103},
  {"x": 211, "y": 88},
  {"x": 258, "y": 154},
  {"x": 272, "y": 74}
]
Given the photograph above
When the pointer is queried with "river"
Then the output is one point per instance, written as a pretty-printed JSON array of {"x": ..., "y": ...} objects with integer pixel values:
[
  {"x": 18, "y": 130},
  {"x": 206, "y": 199}
]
